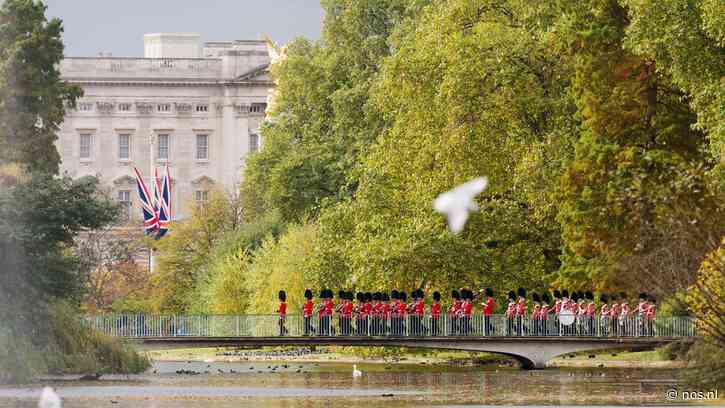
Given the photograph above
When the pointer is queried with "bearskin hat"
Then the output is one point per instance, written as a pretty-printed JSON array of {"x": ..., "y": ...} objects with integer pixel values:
[
  {"x": 545, "y": 297},
  {"x": 377, "y": 296},
  {"x": 580, "y": 295},
  {"x": 368, "y": 297},
  {"x": 359, "y": 296},
  {"x": 522, "y": 292},
  {"x": 589, "y": 295},
  {"x": 282, "y": 295},
  {"x": 414, "y": 294},
  {"x": 403, "y": 296},
  {"x": 613, "y": 297},
  {"x": 535, "y": 297},
  {"x": 385, "y": 297},
  {"x": 565, "y": 293},
  {"x": 643, "y": 296},
  {"x": 489, "y": 292},
  {"x": 421, "y": 294},
  {"x": 512, "y": 295},
  {"x": 557, "y": 294},
  {"x": 574, "y": 296},
  {"x": 308, "y": 294},
  {"x": 394, "y": 294},
  {"x": 437, "y": 296},
  {"x": 603, "y": 298},
  {"x": 455, "y": 294},
  {"x": 652, "y": 299}
]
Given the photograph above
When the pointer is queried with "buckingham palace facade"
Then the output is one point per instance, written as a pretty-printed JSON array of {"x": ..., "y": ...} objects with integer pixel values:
[{"x": 194, "y": 107}]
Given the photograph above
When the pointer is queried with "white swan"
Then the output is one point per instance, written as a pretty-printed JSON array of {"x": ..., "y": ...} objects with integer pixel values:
[
  {"x": 49, "y": 399},
  {"x": 355, "y": 371}
]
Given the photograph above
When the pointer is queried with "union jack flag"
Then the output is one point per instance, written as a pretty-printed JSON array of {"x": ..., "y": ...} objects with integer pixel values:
[
  {"x": 163, "y": 202},
  {"x": 150, "y": 215}
]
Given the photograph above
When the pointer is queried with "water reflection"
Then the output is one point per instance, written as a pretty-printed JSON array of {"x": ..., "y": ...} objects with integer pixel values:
[{"x": 220, "y": 385}]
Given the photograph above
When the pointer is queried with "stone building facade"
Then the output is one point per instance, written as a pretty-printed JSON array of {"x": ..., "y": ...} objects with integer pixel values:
[{"x": 196, "y": 108}]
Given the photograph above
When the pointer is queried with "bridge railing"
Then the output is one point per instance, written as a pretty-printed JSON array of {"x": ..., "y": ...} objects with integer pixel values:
[{"x": 141, "y": 325}]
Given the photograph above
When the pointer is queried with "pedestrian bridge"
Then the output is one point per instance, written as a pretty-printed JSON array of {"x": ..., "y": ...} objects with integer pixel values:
[{"x": 532, "y": 343}]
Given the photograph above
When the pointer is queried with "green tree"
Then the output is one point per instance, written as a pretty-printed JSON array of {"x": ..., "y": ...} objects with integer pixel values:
[{"x": 32, "y": 95}]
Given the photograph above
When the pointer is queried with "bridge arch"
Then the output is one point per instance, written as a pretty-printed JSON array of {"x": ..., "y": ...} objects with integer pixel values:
[{"x": 531, "y": 352}]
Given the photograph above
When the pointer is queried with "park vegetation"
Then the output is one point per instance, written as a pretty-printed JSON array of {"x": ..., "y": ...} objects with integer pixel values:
[
  {"x": 42, "y": 278},
  {"x": 599, "y": 123}
]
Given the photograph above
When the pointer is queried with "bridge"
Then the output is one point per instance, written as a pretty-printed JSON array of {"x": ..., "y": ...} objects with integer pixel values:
[{"x": 531, "y": 342}]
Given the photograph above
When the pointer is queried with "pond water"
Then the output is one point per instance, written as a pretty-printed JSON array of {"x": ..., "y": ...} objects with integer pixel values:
[{"x": 312, "y": 385}]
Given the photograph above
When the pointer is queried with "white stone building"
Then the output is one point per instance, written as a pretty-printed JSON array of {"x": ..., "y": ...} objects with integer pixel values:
[{"x": 195, "y": 107}]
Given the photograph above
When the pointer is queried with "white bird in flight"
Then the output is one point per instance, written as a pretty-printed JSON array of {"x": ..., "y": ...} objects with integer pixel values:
[
  {"x": 457, "y": 203},
  {"x": 49, "y": 399}
]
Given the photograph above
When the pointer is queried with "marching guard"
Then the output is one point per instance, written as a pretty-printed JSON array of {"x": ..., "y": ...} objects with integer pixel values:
[
  {"x": 307, "y": 310},
  {"x": 535, "y": 313},
  {"x": 521, "y": 312},
  {"x": 488, "y": 306},
  {"x": 510, "y": 313},
  {"x": 282, "y": 310},
  {"x": 435, "y": 314},
  {"x": 544, "y": 314}
]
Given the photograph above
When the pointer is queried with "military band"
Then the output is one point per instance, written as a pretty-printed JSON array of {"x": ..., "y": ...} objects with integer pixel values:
[{"x": 380, "y": 314}]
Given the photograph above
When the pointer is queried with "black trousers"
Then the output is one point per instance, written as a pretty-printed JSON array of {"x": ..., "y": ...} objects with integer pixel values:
[
  {"x": 434, "y": 325},
  {"x": 308, "y": 326}
]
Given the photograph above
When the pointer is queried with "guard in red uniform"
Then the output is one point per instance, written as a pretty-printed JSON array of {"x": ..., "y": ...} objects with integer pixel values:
[
  {"x": 535, "y": 313},
  {"x": 544, "y": 314},
  {"x": 307, "y": 309},
  {"x": 556, "y": 309},
  {"x": 454, "y": 311},
  {"x": 590, "y": 312},
  {"x": 511, "y": 313},
  {"x": 641, "y": 312},
  {"x": 435, "y": 314},
  {"x": 614, "y": 310},
  {"x": 325, "y": 313},
  {"x": 605, "y": 313},
  {"x": 346, "y": 310},
  {"x": 376, "y": 314},
  {"x": 394, "y": 316},
  {"x": 649, "y": 316},
  {"x": 387, "y": 305},
  {"x": 402, "y": 312},
  {"x": 521, "y": 312},
  {"x": 488, "y": 306},
  {"x": 282, "y": 310},
  {"x": 467, "y": 312},
  {"x": 418, "y": 312}
]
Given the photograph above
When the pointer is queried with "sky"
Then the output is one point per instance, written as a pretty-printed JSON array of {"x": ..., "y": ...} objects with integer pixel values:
[{"x": 118, "y": 26}]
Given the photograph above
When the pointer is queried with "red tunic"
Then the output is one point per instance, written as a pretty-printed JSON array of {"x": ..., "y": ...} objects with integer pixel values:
[
  {"x": 557, "y": 306},
  {"x": 591, "y": 309},
  {"x": 282, "y": 309},
  {"x": 614, "y": 312},
  {"x": 544, "y": 313},
  {"x": 536, "y": 313},
  {"x": 488, "y": 307},
  {"x": 456, "y": 307},
  {"x": 419, "y": 308},
  {"x": 378, "y": 309},
  {"x": 604, "y": 310},
  {"x": 467, "y": 308},
  {"x": 650, "y": 312},
  {"x": 307, "y": 308},
  {"x": 521, "y": 307},
  {"x": 511, "y": 309},
  {"x": 435, "y": 309},
  {"x": 386, "y": 310},
  {"x": 401, "y": 309},
  {"x": 346, "y": 309}
]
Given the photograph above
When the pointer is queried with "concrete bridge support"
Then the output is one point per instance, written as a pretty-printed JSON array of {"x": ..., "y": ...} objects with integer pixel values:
[{"x": 532, "y": 352}]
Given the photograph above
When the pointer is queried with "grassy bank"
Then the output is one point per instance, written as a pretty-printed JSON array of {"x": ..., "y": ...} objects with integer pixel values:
[{"x": 66, "y": 346}]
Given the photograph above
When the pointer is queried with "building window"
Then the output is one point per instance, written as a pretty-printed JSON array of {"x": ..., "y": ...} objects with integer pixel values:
[
  {"x": 202, "y": 196},
  {"x": 85, "y": 107},
  {"x": 124, "y": 199},
  {"x": 202, "y": 147},
  {"x": 202, "y": 108},
  {"x": 258, "y": 108},
  {"x": 85, "y": 146},
  {"x": 163, "y": 147},
  {"x": 124, "y": 147},
  {"x": 253, "y": 142},
  {"x": 163, "y": 107},
  {"x": 124, "y": 107}
]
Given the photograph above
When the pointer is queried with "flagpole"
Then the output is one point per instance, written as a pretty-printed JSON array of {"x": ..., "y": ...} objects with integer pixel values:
[{"x": 151, "y": 172}]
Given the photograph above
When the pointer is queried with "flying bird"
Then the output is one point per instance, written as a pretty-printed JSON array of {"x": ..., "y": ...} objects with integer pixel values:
[
  {"x": 456, "y": 204},
  {"x": 49, "y": 399}
]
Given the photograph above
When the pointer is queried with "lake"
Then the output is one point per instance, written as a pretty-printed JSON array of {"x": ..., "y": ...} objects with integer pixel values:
[{"x": 312, "y": 385}]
